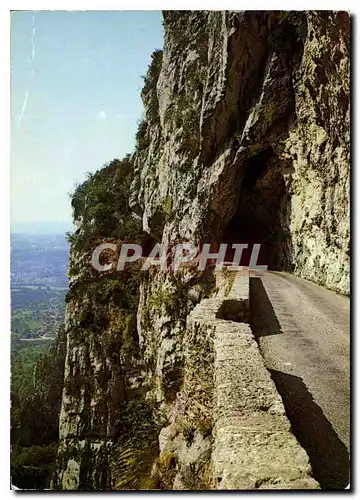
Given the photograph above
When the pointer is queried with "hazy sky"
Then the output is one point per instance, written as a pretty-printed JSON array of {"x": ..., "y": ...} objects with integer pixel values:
[{"x": 76, "y": 82}]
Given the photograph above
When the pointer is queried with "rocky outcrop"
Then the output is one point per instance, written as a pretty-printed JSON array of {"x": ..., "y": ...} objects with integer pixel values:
[
  {"x": 103, "y": 370},
  {"x": 245, "y": 147},
  {"x": 251, "y": 138},
  {"x": 245, "y": 139}
]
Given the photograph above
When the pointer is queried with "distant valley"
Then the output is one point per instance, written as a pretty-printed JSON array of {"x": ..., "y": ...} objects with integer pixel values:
[
  {"x": 38, "y": 285},
  {"x": 38, "y": 288}
]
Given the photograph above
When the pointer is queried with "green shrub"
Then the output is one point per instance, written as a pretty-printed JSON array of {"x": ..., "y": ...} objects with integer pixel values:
[
  {"x": 152, "y": 75},
  {"x": 137, "y": 447},
  {"x": 36, "y": 389},
  {"x": 31, "y": 467},
  {"x": 102, "y": 205},
  {"x": 142, "y": 139}
]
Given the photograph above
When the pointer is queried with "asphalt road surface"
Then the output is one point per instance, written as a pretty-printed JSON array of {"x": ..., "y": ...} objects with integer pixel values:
[{"x": 303, "y": 331}]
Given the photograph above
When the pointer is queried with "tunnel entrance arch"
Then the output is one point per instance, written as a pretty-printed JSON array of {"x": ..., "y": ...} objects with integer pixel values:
[{"x": 262, "y": 212}]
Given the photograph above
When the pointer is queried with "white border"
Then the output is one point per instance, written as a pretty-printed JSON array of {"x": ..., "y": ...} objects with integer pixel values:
[{"x": 184, "y": 5}]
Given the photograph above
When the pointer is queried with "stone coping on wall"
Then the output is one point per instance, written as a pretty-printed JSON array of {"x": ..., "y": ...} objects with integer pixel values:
[{"x": 254, "y": 447}]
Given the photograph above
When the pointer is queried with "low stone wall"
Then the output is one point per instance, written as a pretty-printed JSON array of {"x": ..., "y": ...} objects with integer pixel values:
[{"x": 254, "y": 447}]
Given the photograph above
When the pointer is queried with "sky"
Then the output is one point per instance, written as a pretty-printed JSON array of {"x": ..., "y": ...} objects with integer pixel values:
[{"x": 75, "y": 101}]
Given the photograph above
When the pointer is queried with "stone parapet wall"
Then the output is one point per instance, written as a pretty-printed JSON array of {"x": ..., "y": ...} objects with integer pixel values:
[{"x": 254, "y": 447}]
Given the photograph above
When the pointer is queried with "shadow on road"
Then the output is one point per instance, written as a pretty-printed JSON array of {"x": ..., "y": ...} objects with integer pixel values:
[
  {"x": 328, "y": 455},
  {"x": 263, "y": 320}
]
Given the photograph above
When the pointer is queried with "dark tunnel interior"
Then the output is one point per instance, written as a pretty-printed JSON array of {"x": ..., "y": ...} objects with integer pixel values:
[{"x": 260, "y": 215}]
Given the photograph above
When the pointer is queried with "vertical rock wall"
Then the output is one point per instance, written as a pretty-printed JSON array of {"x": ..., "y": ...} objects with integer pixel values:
[
  {"x": 245, "y": 137},
  {"x": 231, "y": 86}
]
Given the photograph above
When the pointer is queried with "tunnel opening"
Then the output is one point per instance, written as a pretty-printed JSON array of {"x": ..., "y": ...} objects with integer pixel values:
[{"x": 262, "y": 213}]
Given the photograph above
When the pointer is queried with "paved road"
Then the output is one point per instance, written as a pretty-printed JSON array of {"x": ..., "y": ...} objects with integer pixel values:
[{"x": 303, "y": 333}]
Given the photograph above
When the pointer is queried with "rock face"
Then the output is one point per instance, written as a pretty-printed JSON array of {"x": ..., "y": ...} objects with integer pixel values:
[
  {"x": 251, "y": 139},
  {"x": 245, "y": 139}
]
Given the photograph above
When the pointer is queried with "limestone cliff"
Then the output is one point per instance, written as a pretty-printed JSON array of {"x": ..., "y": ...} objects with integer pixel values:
[
  {"x": 251, "y": 139},
  {"x": 245, "y": 139}
]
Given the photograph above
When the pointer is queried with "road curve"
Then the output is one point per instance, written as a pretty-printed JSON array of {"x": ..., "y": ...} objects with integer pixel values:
[{"x": 303, "y": 331}]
